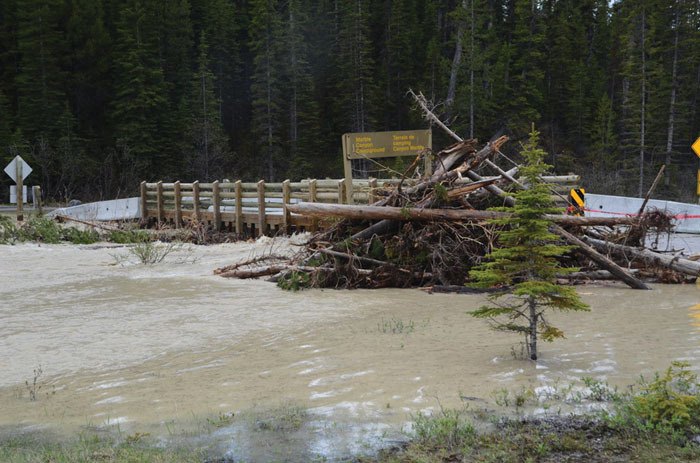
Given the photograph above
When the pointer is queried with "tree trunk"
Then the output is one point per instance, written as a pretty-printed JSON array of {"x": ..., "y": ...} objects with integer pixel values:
[
  {"x": 642, "y": 140},
  {"x": 600, "y": 259},
  {"x": 532, "y": 337},
  {"x": 360, "y": 212},
  {"x": 675, "y": 263},
  {"x": 672, "y": 109},
  {"x": 471, "y": 72},
  {"x": 456, "y": 61}
]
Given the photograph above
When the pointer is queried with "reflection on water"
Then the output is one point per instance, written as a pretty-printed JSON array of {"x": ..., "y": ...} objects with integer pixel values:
[{"x": 172, "y": 348}]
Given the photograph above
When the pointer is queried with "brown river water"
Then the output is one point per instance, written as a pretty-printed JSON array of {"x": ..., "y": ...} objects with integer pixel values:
[{"x": 173, "y": 350}]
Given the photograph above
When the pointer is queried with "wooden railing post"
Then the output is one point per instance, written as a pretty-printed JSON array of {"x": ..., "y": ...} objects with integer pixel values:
[
  {"x": 36, "y": 196},
  {"x": 312, "y": 199},
  {"x": 341, "y": 191},
  {"x": 178, "y": 204},
  {"x": 239, "y": 207},
  {"x": 348, "y": 191},
  {"x": 195, "y": 201},
  {"x": 261, "y": 208},
  {"x": 216, "y": 199},
  {"x": 144, "y": 202},
  {"x": 372, "y": 194},
  {"x": 286, "y": 199},
  {"x": 159, "y": 201}
]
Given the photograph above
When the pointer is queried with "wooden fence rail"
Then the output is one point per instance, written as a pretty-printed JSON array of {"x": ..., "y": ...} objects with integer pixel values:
[{"x": 258, "y": 208}]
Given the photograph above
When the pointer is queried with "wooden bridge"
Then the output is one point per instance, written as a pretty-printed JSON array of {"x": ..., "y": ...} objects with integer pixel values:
[{"x": 257, "y": 208}]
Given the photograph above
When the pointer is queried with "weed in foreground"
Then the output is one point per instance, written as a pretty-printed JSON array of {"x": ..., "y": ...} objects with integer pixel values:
[
  {"x": 34, "y": 386},
  {"x": 395, "y": 326},
  {"x": 668, "y": 404},
  {"x": 448, "y": 430}
]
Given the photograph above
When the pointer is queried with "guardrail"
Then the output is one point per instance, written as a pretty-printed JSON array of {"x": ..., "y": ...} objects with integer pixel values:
[{"x": 257, "y": 208}]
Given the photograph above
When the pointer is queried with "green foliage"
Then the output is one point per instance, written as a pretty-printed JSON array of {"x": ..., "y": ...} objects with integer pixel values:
[
  {"x": 8, "y": 230},
  {"x": 40, "y": 229},
  {"x": 669, "y": 403},
  {"x": 294, "y": 281},
  {"x": 525, "y": 264},
  {"x": 150, "y": 252},
  {"x": 128, "y": 236},
  {"x": 75, "y": 236},
  {"x": 447, "y": 430}
]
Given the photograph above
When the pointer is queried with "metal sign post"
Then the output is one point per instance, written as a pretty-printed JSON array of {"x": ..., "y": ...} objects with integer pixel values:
[{"x": 18, "y": 170}]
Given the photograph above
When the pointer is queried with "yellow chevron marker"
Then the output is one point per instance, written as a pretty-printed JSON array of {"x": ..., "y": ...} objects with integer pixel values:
[
  {"x": 577, "y": 195},
  {"x": 696, "y": 147}
]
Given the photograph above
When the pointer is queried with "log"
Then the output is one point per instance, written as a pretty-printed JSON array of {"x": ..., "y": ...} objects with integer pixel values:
[
  {"x": 592, "y": 275},
  {"x": 600, "y": 259},
  {"x": 651, "y": 258},
  {"x": 386, "y": 213},
  {"x": 351, "y": 257}
]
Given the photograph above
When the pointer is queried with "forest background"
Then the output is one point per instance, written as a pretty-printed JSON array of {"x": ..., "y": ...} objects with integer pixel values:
[{"x": 97, "y": 95}]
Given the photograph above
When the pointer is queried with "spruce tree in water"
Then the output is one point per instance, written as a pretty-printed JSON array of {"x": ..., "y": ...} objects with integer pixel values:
[{"x": 525, "y": 263}]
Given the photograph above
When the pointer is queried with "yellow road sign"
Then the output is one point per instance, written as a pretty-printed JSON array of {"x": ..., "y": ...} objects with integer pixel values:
[
  {"x": 577, "y": 196},
  {"x": 696, "y": 147}
]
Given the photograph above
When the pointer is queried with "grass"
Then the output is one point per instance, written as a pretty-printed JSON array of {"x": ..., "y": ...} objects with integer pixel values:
[
  {"x": 92, "y": 448},
  {"x": 657, "y": 420},
  {"x": 449, "y": 438}
]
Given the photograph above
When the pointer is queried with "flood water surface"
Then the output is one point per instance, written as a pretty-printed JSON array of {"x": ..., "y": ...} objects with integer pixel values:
[{"x": 172, "y": 348}]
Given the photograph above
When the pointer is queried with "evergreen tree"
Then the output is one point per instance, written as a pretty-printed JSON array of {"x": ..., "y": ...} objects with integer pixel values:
[
  {"x": 140, "y": 100},
  {"x": 525, "y": 263},
  {"x": 226, "y": 27},
  {"x": 355, "y": 86},
  {"x": 525, "y": 81},
  {"x": 302, "y": 108},
  {"x": 5, "y": 127},
  {"x": 40, "y": 78},
  {"x": 209, "y": 144},
  {"x": 176, "y": 50},
  {"x": 266, "y": 90},
  {"x": 89, "y": 80}
]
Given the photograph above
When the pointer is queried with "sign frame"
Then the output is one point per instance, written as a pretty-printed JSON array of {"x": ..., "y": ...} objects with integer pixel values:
[{"x": 391, "y": 144}]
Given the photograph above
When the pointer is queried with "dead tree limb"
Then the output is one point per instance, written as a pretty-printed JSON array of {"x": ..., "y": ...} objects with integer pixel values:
[
  {"x": 600, "y": 259},
  {"x": 676, "y": 263}
]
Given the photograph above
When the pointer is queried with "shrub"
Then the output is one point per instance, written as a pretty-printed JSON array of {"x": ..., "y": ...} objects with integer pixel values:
[
  {"x": 294, "y": 281},
  {"x": 40, "y": 229},
  {"x": 76, "y": 236},
  {"x": 8, "y": 230},
  {"x": 446, "y": 430},
  {"x": 670, "y": 402},
  {"x": 128, "y": 236}
]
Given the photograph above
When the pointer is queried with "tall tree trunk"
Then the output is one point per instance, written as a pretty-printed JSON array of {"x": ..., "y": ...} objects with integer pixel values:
[
  {"x": 471, "y": 72},
  {"x": 672, "y": 109},
  {"x": 456, "y": 61},
  {"x": 644, "y": 101},
  {"x": 534, "y": 318}
]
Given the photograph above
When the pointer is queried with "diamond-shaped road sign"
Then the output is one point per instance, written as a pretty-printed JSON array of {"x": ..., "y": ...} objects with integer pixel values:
[
  {"x": 11, "y": 168},
  {"x": 696, "y": 147}
]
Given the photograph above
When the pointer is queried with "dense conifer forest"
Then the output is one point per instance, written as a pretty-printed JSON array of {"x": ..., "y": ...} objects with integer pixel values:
[{"x": 99, "y": 94}]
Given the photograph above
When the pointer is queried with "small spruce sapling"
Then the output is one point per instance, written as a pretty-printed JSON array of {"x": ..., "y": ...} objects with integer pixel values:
[{"x": 524, "y": 262}]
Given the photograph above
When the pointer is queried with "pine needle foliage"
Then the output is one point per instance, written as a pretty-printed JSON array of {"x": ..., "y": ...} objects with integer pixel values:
[{"x": 525, "y": 262}]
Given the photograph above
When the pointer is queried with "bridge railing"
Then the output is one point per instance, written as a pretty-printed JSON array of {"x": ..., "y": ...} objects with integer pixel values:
[{"x": 257, "y": 208}]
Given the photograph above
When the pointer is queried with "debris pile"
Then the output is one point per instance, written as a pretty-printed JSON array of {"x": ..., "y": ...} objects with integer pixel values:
[{"x": 432, "y": 232}]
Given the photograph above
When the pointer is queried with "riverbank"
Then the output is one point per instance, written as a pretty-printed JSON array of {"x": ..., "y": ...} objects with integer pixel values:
[{"x": 441, "y": 440}]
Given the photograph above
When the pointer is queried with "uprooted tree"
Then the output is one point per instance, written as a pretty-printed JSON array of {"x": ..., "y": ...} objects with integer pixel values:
[{"x": 525, "y": 262}]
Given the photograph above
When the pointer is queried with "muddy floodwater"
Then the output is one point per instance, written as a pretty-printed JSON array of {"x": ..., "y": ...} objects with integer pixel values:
[{"x": 103, "y": 342}]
